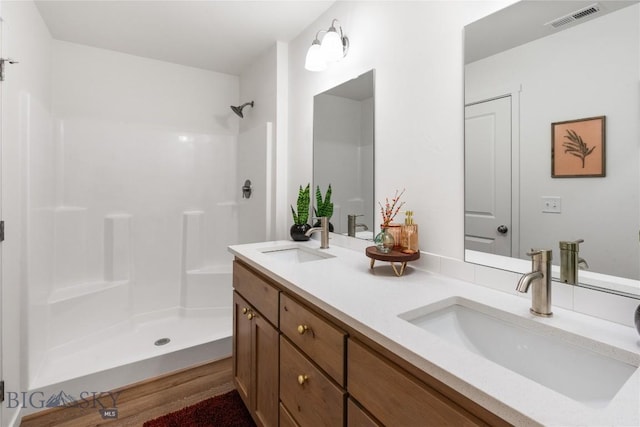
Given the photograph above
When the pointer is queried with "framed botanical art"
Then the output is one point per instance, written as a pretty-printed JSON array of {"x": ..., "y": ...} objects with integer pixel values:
[{"x": 578, "y": 148}]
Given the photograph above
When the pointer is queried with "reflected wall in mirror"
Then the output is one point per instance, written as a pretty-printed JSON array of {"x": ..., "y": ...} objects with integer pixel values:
[
  {"x": 343, "y": 144},
  {"x": 524, "y": 70}
]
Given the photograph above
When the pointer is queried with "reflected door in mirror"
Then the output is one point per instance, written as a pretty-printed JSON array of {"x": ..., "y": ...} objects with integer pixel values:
[{"x": 488, "y": 178}]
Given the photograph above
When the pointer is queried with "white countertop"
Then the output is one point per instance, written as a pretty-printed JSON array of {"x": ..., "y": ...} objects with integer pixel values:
[{"x": 346, "y": 288}]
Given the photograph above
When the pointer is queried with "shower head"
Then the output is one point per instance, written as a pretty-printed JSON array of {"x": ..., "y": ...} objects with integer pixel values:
[{"x": 238, "y": 110}]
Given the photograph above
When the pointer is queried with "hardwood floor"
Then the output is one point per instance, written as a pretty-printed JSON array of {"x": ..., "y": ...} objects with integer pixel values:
[{"x": 146, "y": 400}]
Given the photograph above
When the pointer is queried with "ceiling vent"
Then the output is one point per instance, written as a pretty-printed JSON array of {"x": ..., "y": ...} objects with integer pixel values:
[{"x": 574, "y": 16}]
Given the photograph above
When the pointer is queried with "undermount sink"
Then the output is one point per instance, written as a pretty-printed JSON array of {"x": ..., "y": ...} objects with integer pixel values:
[
  {"x": 538, "y": 352},
  {"x": 296, "y": 254}
]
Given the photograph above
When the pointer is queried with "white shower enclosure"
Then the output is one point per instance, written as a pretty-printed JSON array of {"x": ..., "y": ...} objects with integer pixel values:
[{"x": 132, "y": 202}]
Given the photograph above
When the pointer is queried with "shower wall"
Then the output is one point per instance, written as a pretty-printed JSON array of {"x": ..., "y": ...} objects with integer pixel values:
[
  {"x": 254, "y": 163},
  {"x": 26, "y": 198},
  {"x": 143, "y": 161}
]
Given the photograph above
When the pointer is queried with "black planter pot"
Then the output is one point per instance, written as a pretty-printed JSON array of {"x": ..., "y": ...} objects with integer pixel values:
[
  {"x": 297, "y": 232},
  {"x": 317, "y": 224},
  {"x": 637, "y": 319}
]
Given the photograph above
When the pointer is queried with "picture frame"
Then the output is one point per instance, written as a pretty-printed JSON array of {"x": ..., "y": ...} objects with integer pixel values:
[{"x": 578, "y": 148}]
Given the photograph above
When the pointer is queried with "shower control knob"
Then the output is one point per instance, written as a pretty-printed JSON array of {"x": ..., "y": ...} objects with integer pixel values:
[{"x": 503, "y": 229}]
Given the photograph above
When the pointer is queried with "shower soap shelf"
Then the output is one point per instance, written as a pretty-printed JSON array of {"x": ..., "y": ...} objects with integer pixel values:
[{"x": 392, "y": 257}]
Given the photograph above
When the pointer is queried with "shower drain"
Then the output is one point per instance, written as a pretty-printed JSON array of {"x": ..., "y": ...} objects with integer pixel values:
[{"x": 162, "y": 341}]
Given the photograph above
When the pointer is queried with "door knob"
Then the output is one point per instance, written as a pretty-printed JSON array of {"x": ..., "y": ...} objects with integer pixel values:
[{"x": 503, "y": 229}]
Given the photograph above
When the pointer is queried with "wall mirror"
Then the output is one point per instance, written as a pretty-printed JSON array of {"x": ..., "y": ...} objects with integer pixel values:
[
  {"x": 530, "y": 66},
  {"x": 343, "y": 145}
]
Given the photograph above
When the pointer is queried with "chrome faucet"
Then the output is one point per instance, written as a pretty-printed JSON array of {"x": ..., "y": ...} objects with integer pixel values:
[
  {"x": 324, "y": 232},
  {"x": 540, "y": 278},
  {"x": 570, "y": 262},
  {"x": 351, "y": 225}
]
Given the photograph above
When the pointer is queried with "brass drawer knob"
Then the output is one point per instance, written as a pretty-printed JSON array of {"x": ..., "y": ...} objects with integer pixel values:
[
  {"x": 251, "y": 315},
  {"x": 302, "y": 379},
  {"x": 244, "y": 310},
  {"x": 302, "y": 329}
]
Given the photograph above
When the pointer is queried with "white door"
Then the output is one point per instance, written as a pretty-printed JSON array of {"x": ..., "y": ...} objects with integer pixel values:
[{"x": 487, "y": 136}]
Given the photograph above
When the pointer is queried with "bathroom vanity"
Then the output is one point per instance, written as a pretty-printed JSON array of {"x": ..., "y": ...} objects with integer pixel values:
[{"x": 321, "y": 340}]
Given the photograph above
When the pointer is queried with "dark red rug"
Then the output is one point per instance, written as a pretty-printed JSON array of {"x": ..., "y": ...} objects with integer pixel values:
[{"x": 226, "y": 410}]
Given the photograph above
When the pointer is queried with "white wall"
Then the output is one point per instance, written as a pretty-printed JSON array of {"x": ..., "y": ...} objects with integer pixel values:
[
  {"x": 27, "y": 189},
  {"x": 259, "y": 82},
  {"x": 564, "y": 80},
  {"x": 416, "y": 49}
]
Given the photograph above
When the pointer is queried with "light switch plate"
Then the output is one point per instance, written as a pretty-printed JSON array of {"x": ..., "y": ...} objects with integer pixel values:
[{"x": 551, "y": 204}]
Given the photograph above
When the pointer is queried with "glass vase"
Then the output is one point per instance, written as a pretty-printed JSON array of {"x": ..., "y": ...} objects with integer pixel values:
[
  {"x": 384, "y": 241},
  {"x": 396, "y": 232}
]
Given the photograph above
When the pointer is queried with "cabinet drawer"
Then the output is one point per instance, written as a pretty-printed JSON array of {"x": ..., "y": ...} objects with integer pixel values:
[
  {"x": 260, "y": 294},
  {"x": 315, "y": 402},
  {"x": 357, "y": 417},
  {"x": 319, "y": 339},
  {"x": 395, "y": 398},
  {"x": 286, "y": 420}
]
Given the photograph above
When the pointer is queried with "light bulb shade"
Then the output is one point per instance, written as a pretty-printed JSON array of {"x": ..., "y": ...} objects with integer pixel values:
[
  {"x": 331, "y": 46},
  {"x": 315, "y": 59}
]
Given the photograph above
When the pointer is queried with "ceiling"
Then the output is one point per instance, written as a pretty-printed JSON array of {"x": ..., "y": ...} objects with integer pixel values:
[
  {"x": 525, "y": 21},
  {"x": 223, "y": 36}
]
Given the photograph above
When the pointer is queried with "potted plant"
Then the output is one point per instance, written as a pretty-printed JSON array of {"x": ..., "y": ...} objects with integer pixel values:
[
  {"x": 301, "y": 216},
  {"x": 323, "y": 207}
]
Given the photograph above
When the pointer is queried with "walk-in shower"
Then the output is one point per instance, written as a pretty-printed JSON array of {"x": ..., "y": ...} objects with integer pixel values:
[{"x": 132, "y": 202}]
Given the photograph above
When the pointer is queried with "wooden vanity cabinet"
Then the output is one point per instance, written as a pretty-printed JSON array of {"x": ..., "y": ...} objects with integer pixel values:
[
  {"x": 255, "y": 345},
  {"x": 296, "y": 365}
]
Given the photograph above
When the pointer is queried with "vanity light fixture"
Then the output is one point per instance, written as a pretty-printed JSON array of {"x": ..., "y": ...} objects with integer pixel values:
[
  {"x": 315, "y": 60},
  {"x": 332, "y": 48}
]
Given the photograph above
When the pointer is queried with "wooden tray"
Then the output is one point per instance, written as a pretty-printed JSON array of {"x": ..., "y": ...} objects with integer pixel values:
[{"x": 392, "y": 257}]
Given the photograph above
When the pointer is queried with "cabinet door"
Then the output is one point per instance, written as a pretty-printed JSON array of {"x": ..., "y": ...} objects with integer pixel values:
[
  {"x": 265, "y": 339},
  {"x": 242, "y": 353}
]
